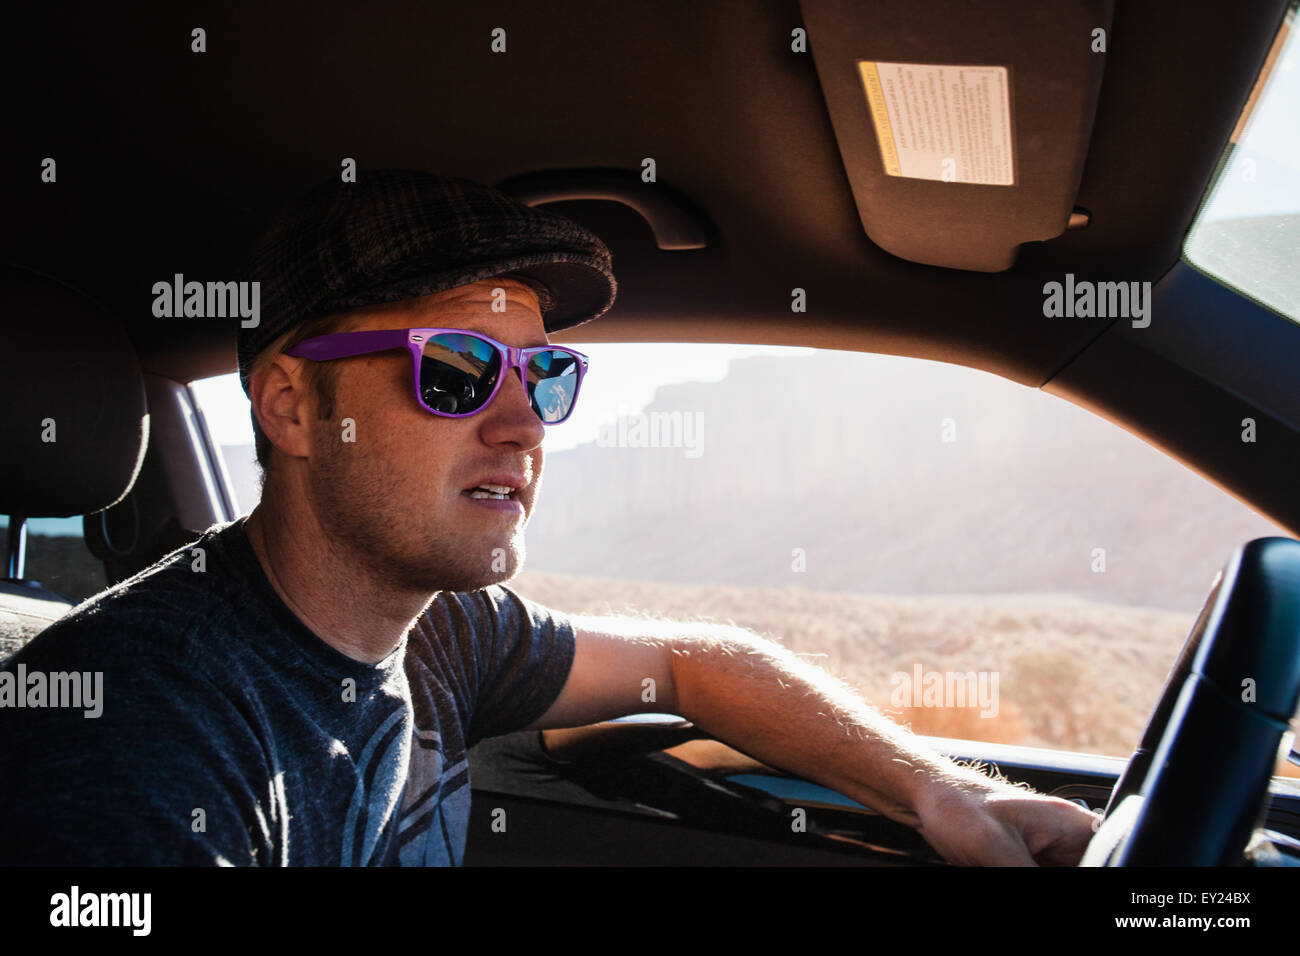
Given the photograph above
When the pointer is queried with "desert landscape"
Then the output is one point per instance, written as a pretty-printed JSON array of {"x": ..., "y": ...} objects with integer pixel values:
[
  {"x": 1051, "y": 694},
  {"x": 886, "y": 513},
  {"x": 1073, "y": 674}
]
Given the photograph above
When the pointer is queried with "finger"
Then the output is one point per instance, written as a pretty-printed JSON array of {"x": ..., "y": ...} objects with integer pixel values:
[{"x": 1057, "y": 833}]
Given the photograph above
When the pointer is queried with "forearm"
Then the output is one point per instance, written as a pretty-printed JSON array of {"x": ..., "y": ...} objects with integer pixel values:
[{"x": 776, "y": 707}]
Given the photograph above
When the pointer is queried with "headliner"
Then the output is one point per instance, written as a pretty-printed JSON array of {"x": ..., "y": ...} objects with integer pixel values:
[{"x": 170, "y": 161}]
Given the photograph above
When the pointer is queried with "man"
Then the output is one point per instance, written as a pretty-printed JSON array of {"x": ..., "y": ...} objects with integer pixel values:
[{"x": 300, "y": 687}]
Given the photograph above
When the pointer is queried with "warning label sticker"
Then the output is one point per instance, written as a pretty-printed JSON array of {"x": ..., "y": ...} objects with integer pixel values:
[{"x": 949, "y": 123}]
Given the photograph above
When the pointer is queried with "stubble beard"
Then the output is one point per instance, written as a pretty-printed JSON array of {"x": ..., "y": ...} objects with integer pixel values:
[{"x": 370, "y": 523}]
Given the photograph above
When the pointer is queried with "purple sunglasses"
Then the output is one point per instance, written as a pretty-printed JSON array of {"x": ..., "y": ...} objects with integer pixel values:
[{"x": 457, "y": 373}]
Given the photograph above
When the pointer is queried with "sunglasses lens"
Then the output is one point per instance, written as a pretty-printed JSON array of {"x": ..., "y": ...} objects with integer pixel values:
[
  {"x": 458, "y": 373},
  {"x": 553, "y": 384}
]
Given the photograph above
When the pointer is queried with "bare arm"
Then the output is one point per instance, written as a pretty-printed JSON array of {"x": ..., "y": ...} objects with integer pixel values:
[{"x": 764, "y": 700}]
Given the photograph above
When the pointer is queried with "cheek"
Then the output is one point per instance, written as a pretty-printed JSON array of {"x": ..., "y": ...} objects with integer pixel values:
[
  {"x": 423, "y": 453},
  {"x": 399, "y": 443},
  {"x": 377, "y": 401}
]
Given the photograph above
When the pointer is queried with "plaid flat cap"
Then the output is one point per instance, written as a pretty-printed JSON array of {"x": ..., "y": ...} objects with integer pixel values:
[{"x": 399, "y": 234}]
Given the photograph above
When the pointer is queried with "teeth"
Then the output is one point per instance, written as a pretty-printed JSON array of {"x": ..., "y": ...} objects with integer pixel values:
[
  {"x": 478, "y": 493},
  {"x": 497, "y": 489}
]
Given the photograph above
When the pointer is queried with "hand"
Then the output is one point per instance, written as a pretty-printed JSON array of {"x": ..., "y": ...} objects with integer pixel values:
[{"x": 980, "y": 822}]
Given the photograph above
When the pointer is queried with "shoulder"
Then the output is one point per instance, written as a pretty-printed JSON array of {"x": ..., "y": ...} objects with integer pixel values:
[
  {"x": 488, "y": 621},
  {"x": 164, "y": 610}
]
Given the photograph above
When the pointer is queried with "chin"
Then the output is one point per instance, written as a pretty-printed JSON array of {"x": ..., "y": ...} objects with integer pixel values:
[
  {"x": 444, "y": 574},
  {"x": 499, "y": 577}
]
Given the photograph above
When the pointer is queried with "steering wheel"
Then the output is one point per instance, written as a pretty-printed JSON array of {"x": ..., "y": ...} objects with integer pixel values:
[{"x": 1197, "y": 785}]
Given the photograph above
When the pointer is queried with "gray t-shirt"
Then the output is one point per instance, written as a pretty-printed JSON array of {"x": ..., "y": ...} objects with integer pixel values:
[{"x": 228, "y": 732}]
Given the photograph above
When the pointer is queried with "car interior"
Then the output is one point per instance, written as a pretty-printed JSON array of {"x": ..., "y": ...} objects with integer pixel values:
[{"x": 728, "y": 156}]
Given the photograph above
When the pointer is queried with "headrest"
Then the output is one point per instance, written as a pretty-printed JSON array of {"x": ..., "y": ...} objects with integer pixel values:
[{"x": 73, "y": 421}]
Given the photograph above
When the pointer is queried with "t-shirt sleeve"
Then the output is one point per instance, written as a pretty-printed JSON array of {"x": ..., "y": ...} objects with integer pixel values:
[
  {"x": 521, "y": 653},
  {"x": 160, "y": 777}
]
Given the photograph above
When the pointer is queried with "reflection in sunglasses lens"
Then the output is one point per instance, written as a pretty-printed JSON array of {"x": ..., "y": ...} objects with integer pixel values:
[
  {"x": 552, "y": 384},
  {"x": 457, "y": 373}
]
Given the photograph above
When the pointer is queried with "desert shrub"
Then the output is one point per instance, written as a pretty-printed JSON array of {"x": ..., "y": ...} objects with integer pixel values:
[{"x": 1062, "y": 703}]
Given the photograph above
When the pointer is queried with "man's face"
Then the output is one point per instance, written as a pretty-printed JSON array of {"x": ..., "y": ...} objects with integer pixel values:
[{"x": 398, "y": 496}]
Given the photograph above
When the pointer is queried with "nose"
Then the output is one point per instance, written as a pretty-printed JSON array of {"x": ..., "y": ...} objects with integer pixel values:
[{"x": 510, "y": 419}]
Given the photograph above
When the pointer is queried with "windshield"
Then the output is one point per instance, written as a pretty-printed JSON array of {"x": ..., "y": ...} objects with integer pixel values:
[{"x": 1247, "y": 234}]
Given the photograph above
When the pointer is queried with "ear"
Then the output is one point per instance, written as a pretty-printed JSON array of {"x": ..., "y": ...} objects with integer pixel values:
[{"x": 281, "y": 401}]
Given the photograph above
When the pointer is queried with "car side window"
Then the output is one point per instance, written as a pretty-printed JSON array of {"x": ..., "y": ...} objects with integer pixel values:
[
  {"x": 983, "y": 560},
  {"x": 57, "y": 557}
]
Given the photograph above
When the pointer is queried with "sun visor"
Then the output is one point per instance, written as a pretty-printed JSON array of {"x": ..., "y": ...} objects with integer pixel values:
[{"x": 963, "y": 127}]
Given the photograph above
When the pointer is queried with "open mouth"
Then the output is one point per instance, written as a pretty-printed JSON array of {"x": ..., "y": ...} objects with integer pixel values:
[{"x": 493, "y": 492}]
